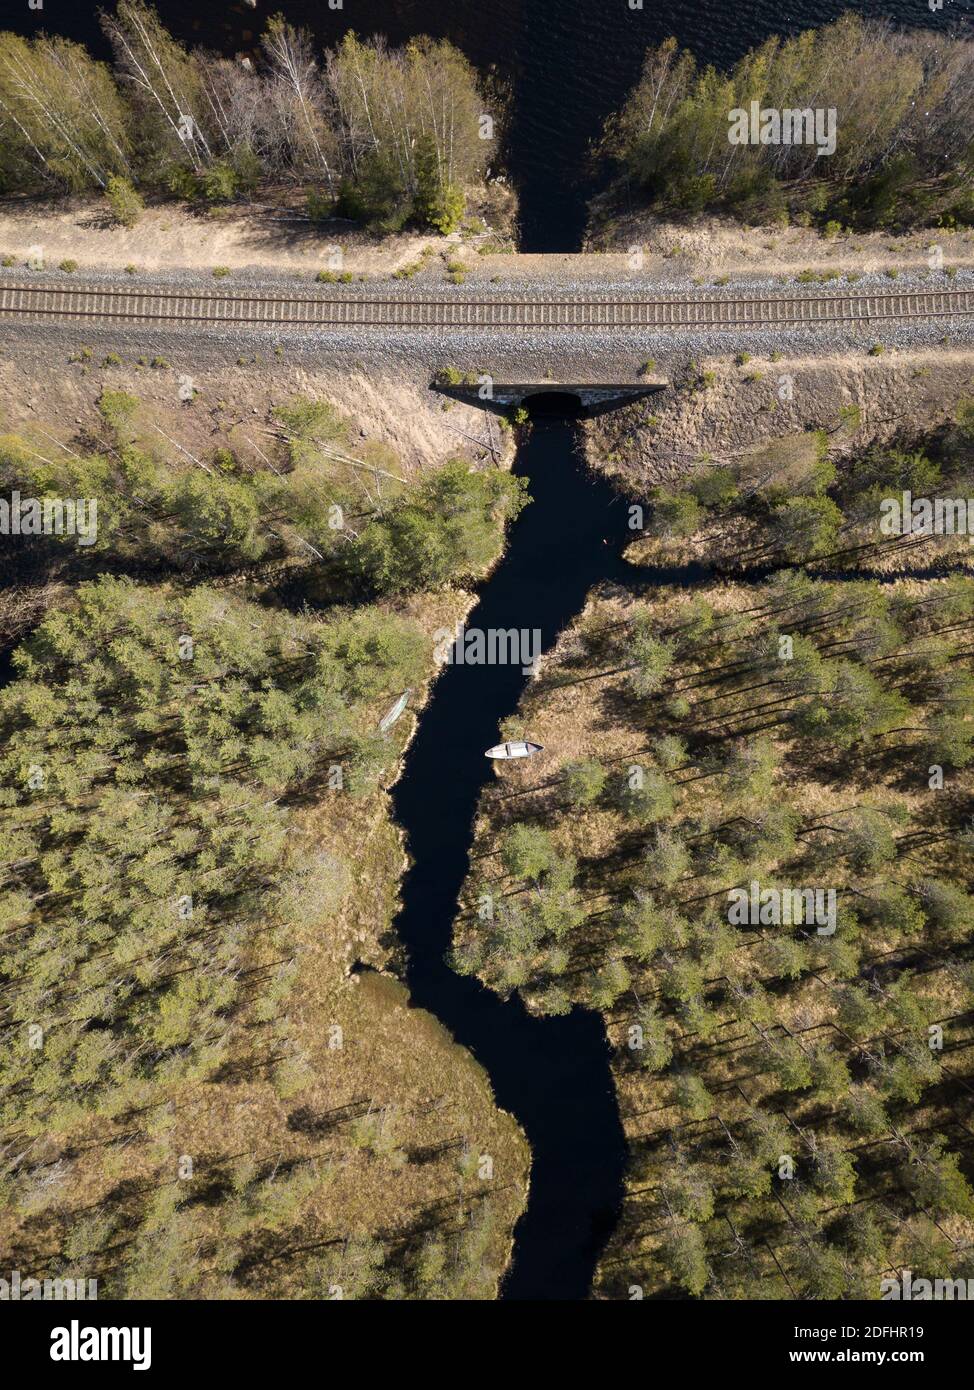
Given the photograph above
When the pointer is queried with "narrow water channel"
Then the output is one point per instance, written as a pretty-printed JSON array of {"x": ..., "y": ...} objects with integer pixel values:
[{"x": 552, "y": 1074}]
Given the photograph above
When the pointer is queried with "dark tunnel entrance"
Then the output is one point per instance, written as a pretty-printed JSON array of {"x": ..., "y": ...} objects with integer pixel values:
[{"x": 554, "y": 405}]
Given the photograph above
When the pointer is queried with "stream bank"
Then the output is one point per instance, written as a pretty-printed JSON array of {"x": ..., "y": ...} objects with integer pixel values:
[{"x": 552, "y": 1074}]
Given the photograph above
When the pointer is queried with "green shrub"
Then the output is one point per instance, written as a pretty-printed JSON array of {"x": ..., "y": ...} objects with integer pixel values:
[
  {"x": 714, "y": 487},
  {"x": 449, "y": 376},
  {"x": 218, "y": 184},
  {"x": 375, "y": 194},
  {"x": 320, "y": 206},
  {"x": 446, "y": 527},
  {"x": 438, "y": 203},
  {"x": 182, "y": 183},
  {"x": 125, "y": 203},
  {"x": 527, "y": 851},
  {"x": 584, "y": 781},
  {"x": 116, "y": 408}
]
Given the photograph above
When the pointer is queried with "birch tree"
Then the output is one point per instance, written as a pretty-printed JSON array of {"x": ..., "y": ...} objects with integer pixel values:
[
  {"x": 61, "y": 119},
  {"x": 163, "y": 84},
  {"x": 903, "y": 105},
  {"x": 295, "y": 104}
]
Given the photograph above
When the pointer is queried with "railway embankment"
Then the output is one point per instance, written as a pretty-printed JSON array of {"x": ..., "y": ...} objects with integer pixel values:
[
  {"x": 717, "y": 409},
  {"x": 563, "y": 328},
  {"x": 631, "y": 308}
]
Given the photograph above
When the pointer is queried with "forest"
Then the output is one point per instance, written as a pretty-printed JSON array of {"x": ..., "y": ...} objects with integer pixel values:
[
  {"x": 312, "y": 492},
  {"x": 201, "y": 1094},
  {"x": 789, "y": 502},
  {"x": 797, "y": 1099},
  {"x": 904, "y": 103},
  {"x": 384, "y": 136}
]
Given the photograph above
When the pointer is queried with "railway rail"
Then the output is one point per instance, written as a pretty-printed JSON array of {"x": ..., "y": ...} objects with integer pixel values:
[{"x": 92, "y": 304}]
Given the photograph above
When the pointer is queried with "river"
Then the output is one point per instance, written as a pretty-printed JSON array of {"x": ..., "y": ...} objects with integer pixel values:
[{"x": 552, "y": 1074}]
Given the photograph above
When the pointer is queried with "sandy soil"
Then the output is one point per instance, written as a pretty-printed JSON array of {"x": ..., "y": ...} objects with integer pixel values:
[
  {"x": 172, "y": 236},
  {"x": 711, "y": 247},
  {"x": 235, "y": 397},
  {"x": 278, "y": 239}
]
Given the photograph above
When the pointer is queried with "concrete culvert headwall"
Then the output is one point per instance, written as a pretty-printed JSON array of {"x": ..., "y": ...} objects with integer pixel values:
[{"x": 575, "y": 399}]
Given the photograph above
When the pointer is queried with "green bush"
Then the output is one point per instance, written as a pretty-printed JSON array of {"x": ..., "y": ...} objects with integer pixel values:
[
  {"x": 218, "y": 184},
  {"x": 376, "y": 194},
  {"x": 117, "y": 408},
  {"x": 527, "y": 851},
  {"x": 438, "y": 203},
  {"x": 584, "y": 781},
  {"x": 714, "y": 487},
  {"x": 125, "y": 203},
  {"x": 320, "y": 205},
  {"x": 182, "y": 183}
]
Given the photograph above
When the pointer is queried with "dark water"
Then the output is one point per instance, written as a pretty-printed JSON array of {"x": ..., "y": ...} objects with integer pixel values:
[
  {"x": 552, "y": 1074},
  {"x": 567, "y": 63}
]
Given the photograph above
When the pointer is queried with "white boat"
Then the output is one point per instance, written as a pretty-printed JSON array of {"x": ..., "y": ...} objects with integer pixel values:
[
  {"x": 518, "y": 749},
  {"x": 397, "y": 710}
]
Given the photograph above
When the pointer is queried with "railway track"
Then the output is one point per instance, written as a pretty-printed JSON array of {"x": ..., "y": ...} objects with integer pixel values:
[{"x": 88, "y": 304}]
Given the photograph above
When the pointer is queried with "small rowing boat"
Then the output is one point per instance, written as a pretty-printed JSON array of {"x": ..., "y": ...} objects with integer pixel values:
[
  {"x": 397, "y": 710},
  {"x": 518, "y": 749}
]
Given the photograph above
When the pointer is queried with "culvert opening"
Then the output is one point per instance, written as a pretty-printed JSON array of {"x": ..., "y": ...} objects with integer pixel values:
[{"x": 554, "y": 405}]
